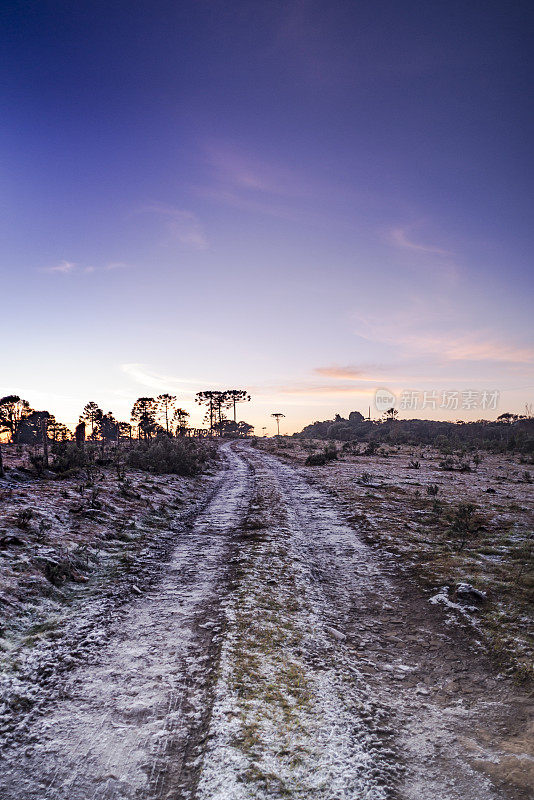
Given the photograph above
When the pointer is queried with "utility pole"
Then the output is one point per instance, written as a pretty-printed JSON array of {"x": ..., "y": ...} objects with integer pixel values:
[{"x": 277, "y": 415}]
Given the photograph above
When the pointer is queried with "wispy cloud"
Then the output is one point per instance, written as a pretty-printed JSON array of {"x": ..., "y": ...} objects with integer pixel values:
[
  {"x": 401, "y": 237},
  {"x": 262, "y": 185},
  {"x": 477, "y": 346},
  {"x": 347, "y": 373},
  {"x": 419, "y": 332},
  {"x": 234, "y": 168},
  {"x": 72, "y": 268},
  {"x": 63, "y": 268},
  {"x": 182, "y": 225},
  {"x": 152, "y": 379}
]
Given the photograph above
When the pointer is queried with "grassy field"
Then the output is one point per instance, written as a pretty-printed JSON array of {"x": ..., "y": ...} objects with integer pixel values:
[{"x": 459, "y": 525}]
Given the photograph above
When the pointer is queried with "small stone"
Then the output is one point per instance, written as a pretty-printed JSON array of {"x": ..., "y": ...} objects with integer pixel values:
[{"x": 336, "y": 634}]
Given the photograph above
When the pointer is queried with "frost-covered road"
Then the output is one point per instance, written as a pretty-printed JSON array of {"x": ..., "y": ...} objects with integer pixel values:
[{"x": 276, "y": 658}]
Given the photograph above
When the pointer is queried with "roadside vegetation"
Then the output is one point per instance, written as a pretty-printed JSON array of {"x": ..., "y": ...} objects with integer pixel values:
[{"x": 458, "y": 522}]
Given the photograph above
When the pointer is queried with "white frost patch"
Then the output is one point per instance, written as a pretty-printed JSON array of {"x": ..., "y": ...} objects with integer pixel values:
[{"x": 291, "y": 716}]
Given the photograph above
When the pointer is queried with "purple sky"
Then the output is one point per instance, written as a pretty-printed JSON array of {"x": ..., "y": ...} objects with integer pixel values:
[{"x": 307, "y": 199}]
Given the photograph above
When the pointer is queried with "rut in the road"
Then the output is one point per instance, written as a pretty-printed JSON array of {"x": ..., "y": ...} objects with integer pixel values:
[
  {"x": 129, "y": 726},
  {"x": 292, "y": 718}
]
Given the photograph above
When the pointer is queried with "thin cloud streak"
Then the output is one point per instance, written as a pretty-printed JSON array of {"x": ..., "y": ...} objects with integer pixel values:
[
  {"x": 469, "y": 346},
  {"x": 400, "y": 238},
  {"x": 181, "y": 224},
  {"x": 63, "y": 268},
  {"x": 71, "y": 268},
  {"x": 347, "y": 373},
  {"x": 155, "y": 380},
  {"x": 242, "y": 171},
  {"x": 261, "y": 186}
]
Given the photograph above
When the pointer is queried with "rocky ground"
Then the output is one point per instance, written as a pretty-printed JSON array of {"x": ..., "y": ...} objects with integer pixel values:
[{"x": 243, "y": 642}]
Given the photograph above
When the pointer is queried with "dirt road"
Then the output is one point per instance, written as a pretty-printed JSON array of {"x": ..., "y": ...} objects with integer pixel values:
[{"x": 277, "y": 657}]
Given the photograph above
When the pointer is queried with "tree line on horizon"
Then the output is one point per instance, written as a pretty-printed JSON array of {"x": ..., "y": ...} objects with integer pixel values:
[
  {"x": 150, "y": 417},
  {"x": 508, "y": 432}
]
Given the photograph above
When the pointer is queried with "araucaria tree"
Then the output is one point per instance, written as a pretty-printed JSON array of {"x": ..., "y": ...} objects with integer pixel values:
[
  {"x": 165, "y": 409},
  {"x": 92, "y": 414},
  {"x": 278, "y": 415},
  {"x": 215, "y": 400},
  {"x": 12, "y": 411},
  {"x": 109, "y": 428},
  {"x": 179, "y": 421},
  {"x": 144, "y": 416},
  {"x": 235, "y": 396},
  {"x": 125, "y": 430}
]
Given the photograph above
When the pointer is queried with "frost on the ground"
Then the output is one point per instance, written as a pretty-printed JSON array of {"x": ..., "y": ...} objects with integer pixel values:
[
  {"x": 291, "y": 715},
  {"x": 272, "y": 657}
]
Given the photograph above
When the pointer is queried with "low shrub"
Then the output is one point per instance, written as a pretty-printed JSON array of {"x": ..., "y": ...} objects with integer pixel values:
[
  {"x": 66, "y": 457},
  {"x": 23, "y": 518},
  {"x": 465, "y": 523},
  {"x": 315, "y": 460},
  {"x": 330, "y": 453},
  {"x": 181, "y": 456}
]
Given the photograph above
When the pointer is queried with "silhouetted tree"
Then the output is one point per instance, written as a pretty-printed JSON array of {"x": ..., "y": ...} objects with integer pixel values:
[
  {"x": 225, "y": 427},
  {"x": 125, "y": 430},
  {"x": 507, "y": 417},
  {"x": 244, "y": 429},
  {"x": 206, "y": 398},
  {"x": 278, "y": 415},
  {"x": 179, "y": 421},
  {"x": 235, "y": 396},
  {"x": 165, "y": 407},
  {"x": 92, "y": 414},
  {"x": 12, "y": 411},
  {"x": 216, "y": 401},
  {"x": 144, "y": 416},
  {"x": 109, "y": 427},
  {"x": 30, "y": 429},
  {"x": 57, "y": 431},
  {"x": 221, "y": 401}
]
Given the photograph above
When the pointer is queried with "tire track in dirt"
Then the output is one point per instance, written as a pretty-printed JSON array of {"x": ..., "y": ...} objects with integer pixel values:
[
  {"x": 131, "y": 725},
  {"x": 293, "y": 716}
]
